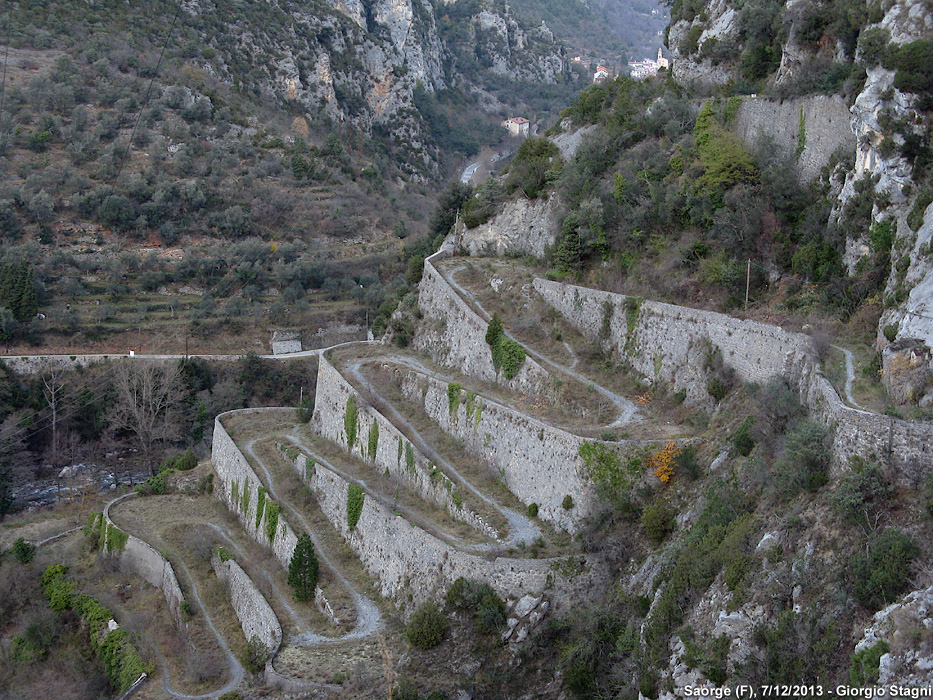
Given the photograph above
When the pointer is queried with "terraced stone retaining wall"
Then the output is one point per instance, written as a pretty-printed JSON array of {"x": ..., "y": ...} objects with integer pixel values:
[
  {"x": 408, "y": 560},
  {"x": 237, "y": 477},
  {"x": 670, "y": 344},
  {"x": 538, "y": 462},
  {"x": 455, "y": 335},
  {"x": 257, "y": 619},
  {"x": 147, "y": 562},
  {"x": 394, "y": 452}
]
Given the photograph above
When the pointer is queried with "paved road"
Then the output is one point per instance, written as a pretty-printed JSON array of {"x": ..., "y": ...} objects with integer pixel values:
[{"x": 469, "y": 171}]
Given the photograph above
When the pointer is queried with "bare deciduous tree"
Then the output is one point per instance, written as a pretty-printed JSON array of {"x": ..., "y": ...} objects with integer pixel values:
[
  {"x": 147, "y": 398},
  {"x": 53, "y": 387}
]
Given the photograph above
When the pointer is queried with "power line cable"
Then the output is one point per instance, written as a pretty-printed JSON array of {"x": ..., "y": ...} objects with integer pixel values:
[
  {"x": 6, "y": 53},
  {"x": 155, "y": 74}
]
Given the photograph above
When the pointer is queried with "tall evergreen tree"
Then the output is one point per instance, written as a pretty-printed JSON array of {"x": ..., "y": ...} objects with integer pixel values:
[{"x": 303, "y": 569}]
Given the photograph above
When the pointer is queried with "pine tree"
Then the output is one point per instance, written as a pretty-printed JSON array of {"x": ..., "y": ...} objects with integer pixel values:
[{"x": 303, "y": 569}]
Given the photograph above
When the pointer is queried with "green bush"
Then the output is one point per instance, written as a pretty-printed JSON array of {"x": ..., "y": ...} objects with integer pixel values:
[
  {"x": 862, "y": 496},
  {"x": 272, "y": 519},
  {"x": 255, "y": 655},
  {"x": 427, "y": 627},
  {"x": 528, "y": 170},
  {"x": 805, "y": 461},
  {"x": 882, "y": 574},
  {"x": 532, "y": 510},
  {"x": 354, "y": 504},
  {"x": 153, "y": 486},
  {"x": 23, "y": 551},
  {"x": 567, "y": 503},
  {"x": 865, "y": 665},
  {"x": 658, "y": 521},
  {"x": 742, "y": 439},
  {"x": 687, "y": 464},
  {"x": 304, "y": 412},
  {"x": 890, "y": 331},
  {"x": 507, "y": 355},
  {"x": 57, "y": 588},
  {"x": 487, "y": 607}
]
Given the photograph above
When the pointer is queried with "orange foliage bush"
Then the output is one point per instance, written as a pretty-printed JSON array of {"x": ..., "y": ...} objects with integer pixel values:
[{"x": 662, "y": 461}]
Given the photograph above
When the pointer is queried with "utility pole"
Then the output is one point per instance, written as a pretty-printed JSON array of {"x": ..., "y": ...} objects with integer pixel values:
[{"x": 748, "y": 279}]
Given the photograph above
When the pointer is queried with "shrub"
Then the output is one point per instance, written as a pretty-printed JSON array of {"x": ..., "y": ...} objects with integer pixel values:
[
  {"x": 354, "y": 504},
  {"x": 272, "y": 519},
  {"x": 154, "y": 485},
  {"x": 427, "y": 626},
  {"x": 23, "y": 551},
  {"x": 658, "y": 521},
  {"x": 865, "y": 665},
  {"x": 890, "y": 331},
  {"x": 255, "y": 655},
  {"x": 507, "y": 355},
  {"x": 882, "y": 574},
  {"x": 567, "y": 503},
  {"x": 687, "y": 462},
  {"x": 862, "y": 496},
  {"x": 305, "y": 410},
  {"x": 532, "y": 510},
  {"x": 57, "y": 588},
  {"x": 805, "y": 460},
  {"x": 186, "y": 461},
  {"x": 303, "y": 569},
  {"x": 662, "y": 462},
  {"x": 487, "y": 607},
  {"x": 742, "y": 439}
]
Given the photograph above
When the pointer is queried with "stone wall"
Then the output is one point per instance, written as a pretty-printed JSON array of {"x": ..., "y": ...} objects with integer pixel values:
[
  {"x": 407, "y": 560},
  {"x": 538, "y": 462},
  {"x": 825, "y": 121},
  {"x": 235, "y": 476},
  {"x": 455, "y": 335},
  {"x": 145, "y": 561},
  {"x": 392, "y": 448},
  {"x": 257, "y": 619},
  {"x": 669, "y": 344}
]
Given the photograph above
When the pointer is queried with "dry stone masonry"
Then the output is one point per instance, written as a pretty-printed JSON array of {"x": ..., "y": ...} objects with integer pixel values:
[
  {"x": 668, "y": 344},
  {"x": 257, "y": 619}
]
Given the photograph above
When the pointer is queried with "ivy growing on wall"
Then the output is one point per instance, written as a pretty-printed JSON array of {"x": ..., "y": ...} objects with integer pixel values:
[
  {"x": 349, "y": 422},
  {"x": 116, "y": 539},
  {"x": 310, "y": 465},
  {"x": 272, "y": 519},
  {"x": 354, "y": 504},
  {"x": 507, "y": 355},
  {"x": 244, "y": 495},
  {"x": 260, "y": 505},
  {"x": 373, "y": 439},
  {"x": 453, "y": 397},
  {"x": 235, "y": 493},
  {"x": 409, "y": 457},
  {"x": 398, "y": 459}
]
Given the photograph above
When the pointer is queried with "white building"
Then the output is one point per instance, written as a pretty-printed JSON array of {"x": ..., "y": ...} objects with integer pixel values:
[
  {"x": 648, "y": 68},
  {"x": 517, "y": 126}
]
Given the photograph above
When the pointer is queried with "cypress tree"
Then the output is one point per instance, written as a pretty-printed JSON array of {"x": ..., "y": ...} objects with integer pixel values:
[{"x": 303, "y": 569}]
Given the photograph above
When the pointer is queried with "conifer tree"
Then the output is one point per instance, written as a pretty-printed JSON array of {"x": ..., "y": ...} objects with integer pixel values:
[{"x": 303, "y": 569}]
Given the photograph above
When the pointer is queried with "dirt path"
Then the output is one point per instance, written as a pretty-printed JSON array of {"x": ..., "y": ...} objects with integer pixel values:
[
  {"x": 521, "y": 527},
  {"x": 627, "y": 409},
  {"x": 850, "y": 375}
]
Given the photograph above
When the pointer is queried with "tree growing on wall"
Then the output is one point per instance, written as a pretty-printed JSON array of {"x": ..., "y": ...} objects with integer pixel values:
[{"x": 303, "y": 569}]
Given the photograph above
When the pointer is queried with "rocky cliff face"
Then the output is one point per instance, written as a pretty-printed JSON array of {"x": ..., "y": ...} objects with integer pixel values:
[
  {"x": 359, "y": 63},
  {"x": 883, "y": 132}
]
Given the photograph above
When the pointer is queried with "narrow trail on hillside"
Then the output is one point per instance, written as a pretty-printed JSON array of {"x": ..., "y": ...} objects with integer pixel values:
[
  {"x": 627, "y": 409},
  {"x": 521, "y": 528},
  {"x": 850, "y": 375},
  {"x": 233, "y": 664},
  {"x": 368, "y": 617},
  {"x": 411, "y": 516}
]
